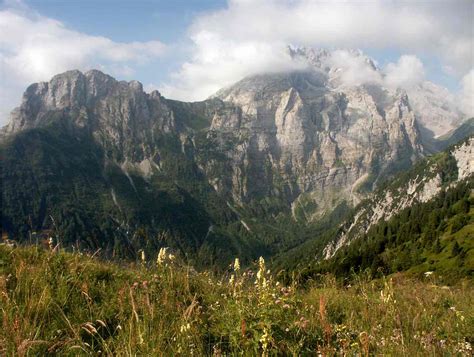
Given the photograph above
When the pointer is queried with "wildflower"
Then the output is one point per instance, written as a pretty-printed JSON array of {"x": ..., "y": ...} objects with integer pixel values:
[
  {"x": 231, "y": 280},
  {"x": 160, "y": 260},
  {"x": 50, "y": 243},
  {"x": 459, "y": 315},
  {"x": 185, "y": 328},
  {"x": 261, "y": 281},
  {"x": 464, "y": 348},
  {"x": 265, "y": 340},
  {"x": 143, "y": 256},
  {"x": 243, "y": 328},
  {"x": 216, "y": 351},
  {"x": 428, "y": 273},
  {"x": 302, "y": 323},
  {"x": 236, "y": 265},
  {"x": 171, "y": 257}
]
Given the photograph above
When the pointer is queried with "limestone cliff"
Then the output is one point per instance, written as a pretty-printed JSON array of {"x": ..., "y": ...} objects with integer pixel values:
[{"x": 289, "y": 135}]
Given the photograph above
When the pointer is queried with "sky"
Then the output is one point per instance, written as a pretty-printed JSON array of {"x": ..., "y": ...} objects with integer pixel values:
[{"x": 190, "y": 49}]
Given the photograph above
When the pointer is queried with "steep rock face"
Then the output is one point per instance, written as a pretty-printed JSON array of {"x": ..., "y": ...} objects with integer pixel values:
[
  {"x": 440, "y": 172},
  {"x": 119, "y": 115},
  {"x": 291, "y": 136},
  {"x": 309, "y": 139}
]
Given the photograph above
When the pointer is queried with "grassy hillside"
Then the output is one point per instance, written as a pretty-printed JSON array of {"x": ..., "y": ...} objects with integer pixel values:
[{"x": 59, "y": 303}]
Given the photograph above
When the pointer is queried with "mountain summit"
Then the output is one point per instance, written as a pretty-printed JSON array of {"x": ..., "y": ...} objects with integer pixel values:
[
  {"x": 326, "y": 145},
  {"x": 434, "y": 106}
]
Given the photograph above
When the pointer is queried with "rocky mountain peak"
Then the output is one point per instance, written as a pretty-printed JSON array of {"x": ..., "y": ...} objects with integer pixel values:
[
  {"x": 435, "y": 107},
  {"x": 290, "y": 135},
  {"x": 330, "y": 61},
  {"x": 119, "y": 115},
  {"x": 320, "y": 139},
  {"x": 78, "y": 92}
]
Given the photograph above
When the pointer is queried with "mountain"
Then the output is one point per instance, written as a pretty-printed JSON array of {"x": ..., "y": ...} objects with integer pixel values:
[
  {"x": 251, "y": 171},
  {"x": 105, "y": 165},
  {"x": 421, "y": 221},
  {"x": 421, "y": 184},
  {"x": 317, "y": 146},
  {"x": 435, "y": 107}
]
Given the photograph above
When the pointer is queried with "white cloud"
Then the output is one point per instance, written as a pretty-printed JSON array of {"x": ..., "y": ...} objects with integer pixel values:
[
  {"x": 248, "y": 36},
  {"x": 467, "y": 94},
  {"x": 353, "y": 68},
  {"x": 218, "y": 61},
  {"x": 406, "y": 73},
  {"x": 34, "y": 48}
]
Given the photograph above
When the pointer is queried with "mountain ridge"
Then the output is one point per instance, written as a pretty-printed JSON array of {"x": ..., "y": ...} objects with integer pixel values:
[{"x": 278, "y": 147}]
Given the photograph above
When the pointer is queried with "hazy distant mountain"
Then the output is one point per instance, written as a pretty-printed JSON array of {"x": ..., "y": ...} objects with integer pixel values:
[{"x": 435, "y": 108}]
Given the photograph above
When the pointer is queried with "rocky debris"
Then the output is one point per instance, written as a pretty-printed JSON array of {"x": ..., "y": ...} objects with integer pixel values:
[{"x": 465, "y": 159}]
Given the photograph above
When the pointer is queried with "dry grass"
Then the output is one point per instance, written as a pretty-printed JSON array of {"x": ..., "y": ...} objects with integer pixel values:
[{"x": 65, "y": 304}]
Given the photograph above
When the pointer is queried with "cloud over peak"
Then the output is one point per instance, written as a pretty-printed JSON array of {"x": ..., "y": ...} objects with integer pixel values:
[
  {"x": 406, "y": 73},
  {"x": 248, "y": 36}
]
